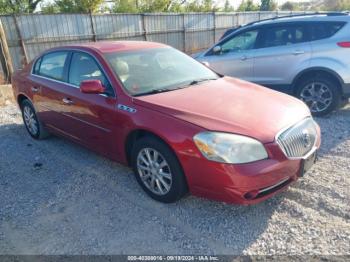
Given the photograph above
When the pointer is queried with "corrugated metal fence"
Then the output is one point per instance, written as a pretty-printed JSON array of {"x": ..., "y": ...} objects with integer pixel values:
[{"x": 29, "y": 35}]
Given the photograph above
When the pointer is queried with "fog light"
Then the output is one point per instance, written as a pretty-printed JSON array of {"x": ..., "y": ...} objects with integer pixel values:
[{"x": 251, "y": 195}]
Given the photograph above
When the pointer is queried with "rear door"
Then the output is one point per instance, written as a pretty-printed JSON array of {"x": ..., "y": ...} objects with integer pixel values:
[
  {"x": 236, "y": 56},
  {"x": 47, "y": 81},
  {"x": 283, "y": 51}
]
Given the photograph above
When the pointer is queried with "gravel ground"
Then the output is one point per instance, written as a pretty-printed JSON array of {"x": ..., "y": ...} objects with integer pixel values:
[{"x": 59, "y": 198}]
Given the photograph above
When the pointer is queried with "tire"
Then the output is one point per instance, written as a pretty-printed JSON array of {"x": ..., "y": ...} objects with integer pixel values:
[
  {"x": 331, "y": 95},
  {"x": 36, "y": 130},
  {"x": 157, "y": 170}
]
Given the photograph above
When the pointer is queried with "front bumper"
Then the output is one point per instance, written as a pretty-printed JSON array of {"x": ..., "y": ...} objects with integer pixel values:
[{"x": 244, "y": 184}]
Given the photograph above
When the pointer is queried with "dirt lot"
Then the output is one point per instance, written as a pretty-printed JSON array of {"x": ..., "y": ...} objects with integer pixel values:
[{"x": 59, "y": 198}]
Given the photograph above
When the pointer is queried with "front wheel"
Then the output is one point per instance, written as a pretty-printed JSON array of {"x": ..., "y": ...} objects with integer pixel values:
[
  {"x": 158, "y": 171},
  {"x": 321, "y": 95}
]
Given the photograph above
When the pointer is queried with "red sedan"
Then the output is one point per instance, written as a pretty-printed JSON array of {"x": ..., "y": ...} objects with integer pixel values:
[{"x": 179, "y": 125}]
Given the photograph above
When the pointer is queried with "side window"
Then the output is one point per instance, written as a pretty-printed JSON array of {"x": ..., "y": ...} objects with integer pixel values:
[
  {"x": 284, "y": 35},
  {"x": 84, "y": 67},
  {"x": 241, "y": 42},
  {"x": 325, "y": 30},
  {"x": 52, "y": 65}
]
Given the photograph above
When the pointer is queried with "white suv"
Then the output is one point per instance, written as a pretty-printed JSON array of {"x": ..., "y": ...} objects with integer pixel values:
[{"x": 307, "y": 56}]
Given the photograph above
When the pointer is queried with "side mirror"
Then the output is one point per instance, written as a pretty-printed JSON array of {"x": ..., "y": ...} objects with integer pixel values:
[
  {"x": 92, "y": 87},
  {"x": 217, "y": 49}
]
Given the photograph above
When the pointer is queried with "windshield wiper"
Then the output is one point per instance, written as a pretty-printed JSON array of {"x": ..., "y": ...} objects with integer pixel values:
[
  {"x": 198, "y": 81},
  {"x": 155, "y": 91},
  {"x": 162, "y": 90}
]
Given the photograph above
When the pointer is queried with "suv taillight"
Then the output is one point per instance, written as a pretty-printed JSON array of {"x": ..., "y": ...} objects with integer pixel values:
[{"x": 344, "y": 44}]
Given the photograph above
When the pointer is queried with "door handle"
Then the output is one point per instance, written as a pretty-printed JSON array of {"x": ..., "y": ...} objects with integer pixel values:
[
  {"x": 35, "y": 89},
  {"x": 298, "y": 52},
  {"x": 244, "y": 57},
  {"x": 67, "y": 101}
]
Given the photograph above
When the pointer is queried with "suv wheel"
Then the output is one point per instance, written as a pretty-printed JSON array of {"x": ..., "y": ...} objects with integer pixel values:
[
  {"x": 32, "y": 123},
  {"x": 320, "y": 94},
  {"x": 158, "y": 171}
]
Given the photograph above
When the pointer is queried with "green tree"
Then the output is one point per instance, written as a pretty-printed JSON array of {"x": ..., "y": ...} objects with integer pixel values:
[
  {"x": 335, "y": 5},
  {"x": 50, "y": 8},
  {"x": 73, "y": 6},
  {"x": 18, "y": 6},
  {"x": 5, "y": 8},
  {"x": 247, "y": 6},
  {"x": 228, "y": 7},
  {"x": 124, "y": 6},
  {"x": 208, "y": 6},
  {"x": 268, "y": 5},
  {"x": 149, "y": 6},
  {"x": 288, "y": 6}
]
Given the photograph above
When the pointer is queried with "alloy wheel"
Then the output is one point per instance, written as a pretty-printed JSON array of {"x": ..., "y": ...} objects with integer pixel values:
[
  {"x": 154, "y": 171},
  {"x": 317, "y": 96},
  {"x": 30, "y": 120}
]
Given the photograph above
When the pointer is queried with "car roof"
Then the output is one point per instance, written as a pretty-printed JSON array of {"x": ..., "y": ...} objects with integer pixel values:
[
  {"x": 113, "y": 46},
  {"x": 303, "y": 18}
]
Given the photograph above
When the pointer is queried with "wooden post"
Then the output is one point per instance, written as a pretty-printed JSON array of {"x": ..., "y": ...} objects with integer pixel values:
[
  {"x": 94, "y": 38},
  {"x": 21, "y": 41},
  {"x": 5, "y": 56}
]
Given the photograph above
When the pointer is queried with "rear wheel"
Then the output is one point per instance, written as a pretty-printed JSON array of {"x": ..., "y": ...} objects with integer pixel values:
[
  {"x": 157, "y": 170},
  {"x": 321, "y": 95},
  {"x": 32, "y": 123}
]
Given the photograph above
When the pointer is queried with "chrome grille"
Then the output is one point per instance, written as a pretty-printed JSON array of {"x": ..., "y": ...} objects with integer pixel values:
[{"x": 298, "y": 140}]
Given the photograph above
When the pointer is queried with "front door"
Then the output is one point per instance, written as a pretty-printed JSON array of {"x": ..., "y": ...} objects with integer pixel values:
[
  {"x": 92, "y": 115},
  {"x": 234, "y": 56}
]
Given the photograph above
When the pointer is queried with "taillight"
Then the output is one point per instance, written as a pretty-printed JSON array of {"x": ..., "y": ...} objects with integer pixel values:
[{"x": 344, "y": 44}]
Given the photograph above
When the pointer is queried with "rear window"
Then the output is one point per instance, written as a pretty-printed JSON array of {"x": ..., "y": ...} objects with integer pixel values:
[
  {"x": 284, "y": 35},
  {"x": 52, "y": 65},
  {"x": 323, "y": 30}
]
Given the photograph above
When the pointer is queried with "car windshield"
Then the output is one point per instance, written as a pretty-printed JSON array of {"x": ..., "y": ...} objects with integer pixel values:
[{"x": 157, "y": 70}]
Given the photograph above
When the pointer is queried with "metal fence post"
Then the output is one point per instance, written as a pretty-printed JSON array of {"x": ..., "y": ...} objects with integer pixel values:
[
  {"x": 144, "y": 32},
  {"x": 184, "y": 31},
  {"x": 214, "y": 27},
  {"x": 94, "y": 38}
]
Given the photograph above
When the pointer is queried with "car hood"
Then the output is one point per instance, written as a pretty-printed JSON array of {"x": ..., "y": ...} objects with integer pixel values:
[
  {"x": 198, "y": 54},
  {"x": 230, "y": 105}
]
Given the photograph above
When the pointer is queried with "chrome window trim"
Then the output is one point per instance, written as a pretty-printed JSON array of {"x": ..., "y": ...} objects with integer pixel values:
[
  {"x": 69, "y": 84},
  {"x": 307, "y": 155},
  {"x": 62, "y": 82}
]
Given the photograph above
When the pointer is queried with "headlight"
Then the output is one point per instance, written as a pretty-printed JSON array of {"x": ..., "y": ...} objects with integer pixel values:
[{"x": 229, "y": 148}]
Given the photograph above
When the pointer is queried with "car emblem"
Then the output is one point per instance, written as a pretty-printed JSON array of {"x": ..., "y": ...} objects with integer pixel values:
[
  {"x": 126, "y": 108},
  {"x": 306, "y": 139}
]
